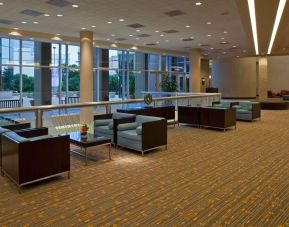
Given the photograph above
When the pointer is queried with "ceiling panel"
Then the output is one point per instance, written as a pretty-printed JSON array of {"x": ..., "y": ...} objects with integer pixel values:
[{"x": 223, "y": 15}]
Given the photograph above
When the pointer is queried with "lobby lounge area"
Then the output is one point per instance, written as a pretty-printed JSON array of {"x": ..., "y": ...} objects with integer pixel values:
[
  {"x": 144, "y": 113},
  {"x": 205, "y": 177}
]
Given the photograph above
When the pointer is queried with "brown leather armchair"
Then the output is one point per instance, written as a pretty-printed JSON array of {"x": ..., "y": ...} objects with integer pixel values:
[{"x": 30, "y": 156}]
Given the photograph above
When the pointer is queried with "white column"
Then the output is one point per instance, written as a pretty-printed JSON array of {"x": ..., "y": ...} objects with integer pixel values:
[
  {"x": 263, "y": 78},
  {"x": 86, "y": 75},
  {"x": 195, "y": 70}
]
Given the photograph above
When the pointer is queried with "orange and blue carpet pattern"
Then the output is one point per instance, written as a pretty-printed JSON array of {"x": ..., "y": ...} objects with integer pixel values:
[{"x": 204, "y": 178}]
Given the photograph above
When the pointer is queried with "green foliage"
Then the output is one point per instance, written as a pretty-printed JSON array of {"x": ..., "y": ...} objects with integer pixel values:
[
  {"x": 113, "y": 83},
  {"x": 131, "y": 83},
  {"x": 12, "y": 82},
  {"x": 73, "y": 80},
  {"x": 169, "y": 84}
]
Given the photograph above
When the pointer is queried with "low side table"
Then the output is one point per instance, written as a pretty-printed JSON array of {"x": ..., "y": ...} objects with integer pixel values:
[{"x": 90, "y": 141}]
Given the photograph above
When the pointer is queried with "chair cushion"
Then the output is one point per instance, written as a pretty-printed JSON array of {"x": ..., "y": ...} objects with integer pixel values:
[
  {"x": 246, "y": 105},
  {"x": 237, "y": 106},
  {"x": 217, "y": 105},
  {"x": 130, "y": 134},
  {"x": 127, "y": 126},
  {"x": 139, "y": 130},
  {"x": 244, "y": 111},
  {"x": 102, "y": 122},
  {"x": 141, "y": 119},
  {"x": 3, "y": 130},
  {"x": 118, "y": 115},
  {"x": 16, "y": 137},
  {"x": 103, "y": 129},
  {"x": 110, "y": 125}
]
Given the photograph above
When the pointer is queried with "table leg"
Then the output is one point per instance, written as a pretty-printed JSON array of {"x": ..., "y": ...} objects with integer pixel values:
[
  {"x": 109, "y": 149},
  {"x": 85, "y": 151}
]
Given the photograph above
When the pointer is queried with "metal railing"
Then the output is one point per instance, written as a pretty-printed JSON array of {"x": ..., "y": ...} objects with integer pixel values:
[{"x": 39, "y": 110}]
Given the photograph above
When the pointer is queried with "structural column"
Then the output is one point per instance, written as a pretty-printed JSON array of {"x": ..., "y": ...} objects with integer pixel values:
[
  {"x": 205, "y": 74},
  {"x": 195, "y": 70},
  {"x": 263, "y": 78},
  {"x": 86, "y": 75}
]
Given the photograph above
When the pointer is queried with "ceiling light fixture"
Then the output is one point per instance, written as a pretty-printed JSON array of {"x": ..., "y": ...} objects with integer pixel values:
[
  {"x": 188, "y": 26},
  {"x": 35, "y": 22},
  {"x": 108, "y": 39},
  {"x": 113, "y": 45},
  {"x": 16, "y": 28},
  {"x": 134, "y": 48},
  {"x": 75, "y": 6},
  {"x": 1, "y": 3},
  {"x": 93, "y": 26},
  {"x": 276, "y": 23},
  {"x": 109, "y": 22},
  {"x": 15, "y": 33},
  {"x": 46, "y": 15},
  {"x": 121, "y": 20},
  {"x": 209, "y": 35},
  {"x": 209, "y": 22},
  {"x": 59, "y": 15},
  {"x": 251, "y": 5},
  {"x": 112, "y": 34},
  {"x": 157, "y": 31},
  {"x": 83, "y": 28},
  {"x": 138, "y": 30},
  {"x": 198, "y": 3},
  {"x": 23, "y": 22},
  {"x": 162, "y": 35},
  {"x": 130, "y": 35}
]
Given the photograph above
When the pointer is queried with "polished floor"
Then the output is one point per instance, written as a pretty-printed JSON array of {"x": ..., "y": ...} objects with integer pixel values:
[{"x": 205, "y": 178}]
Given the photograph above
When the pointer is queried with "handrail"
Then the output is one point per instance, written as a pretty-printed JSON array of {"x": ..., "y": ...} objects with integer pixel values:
[
  {"x": 40, "y": 109},
  {"x": 101, "y": 103}
]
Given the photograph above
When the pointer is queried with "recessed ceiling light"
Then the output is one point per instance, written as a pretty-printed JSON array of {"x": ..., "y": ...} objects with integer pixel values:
[
  {"x": 108, "y": 39},
  {"x": 121, "y": 20},
  {"x": 113, "y": 45},
  {"x": 188, "y": 26},
  {"x": 93, "y": 26},
  {"x": 75, "y": 6},
  {"x": 192, "y": 37},
  {"x": 46, "y": 15},
  {"x": 167, "y": 40},
  {"x": 157, "y": 42},
  {"x": 16, "y": 28},
  {"x": 222, "y": 38},
  {"x": 209, "y": 22},
  {"x": 138, "y": 30},
  {"x": 83, "y": 28},
  {"x": 35, "y": 22},
  {"x": 112, "y": 34},
  {"x": 237, "y": 56},
  {"x": 276, "y": 24},
  {"x": 212, "y": 48},
  {"x": 109, "y": 22},
  {"x": 130, "y": 35},
  {"x": 162, "y": 35},
  {"x": 234, "y": 46},
  {"x": 15, "y": 33},
  {"x": 134, "y": 48},
  {"x": 198, "y": 3},
  {"x": 209, "y": 35},
  {"x": 23, "y": 22},
  {"x": 157, "y": 31},
  {"x": 225, "y": 32},
  {"x": 59, "y": 15},
  {"x": 1, "y": 3}
]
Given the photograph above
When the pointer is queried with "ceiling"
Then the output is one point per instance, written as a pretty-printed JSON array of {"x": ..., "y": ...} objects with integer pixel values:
[{"x": 229, "y": 23}]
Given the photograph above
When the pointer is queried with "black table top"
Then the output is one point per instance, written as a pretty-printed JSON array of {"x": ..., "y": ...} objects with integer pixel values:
[{"x": 91, "y": 140}]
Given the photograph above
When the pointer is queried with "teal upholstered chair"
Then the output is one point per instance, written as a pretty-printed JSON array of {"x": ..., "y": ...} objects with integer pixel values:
[
  {"x": 248, "y": 111},
  {"x": 146, "y": 133}
]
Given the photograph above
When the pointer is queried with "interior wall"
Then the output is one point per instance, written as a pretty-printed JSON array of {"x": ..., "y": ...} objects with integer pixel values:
[
  {"x": 235, "y": 77},
  {"x": 278, "y": 73}
]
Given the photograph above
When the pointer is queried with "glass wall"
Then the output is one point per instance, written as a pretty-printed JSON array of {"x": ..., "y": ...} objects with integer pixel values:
[{"x": 38, "y": 73}]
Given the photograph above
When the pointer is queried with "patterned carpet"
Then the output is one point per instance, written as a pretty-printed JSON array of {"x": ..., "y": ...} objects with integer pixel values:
[{"x": 205, "y": 178}]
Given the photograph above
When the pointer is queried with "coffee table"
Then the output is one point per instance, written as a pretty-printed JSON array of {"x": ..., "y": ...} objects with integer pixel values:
[{"x": 90, "y": 141}]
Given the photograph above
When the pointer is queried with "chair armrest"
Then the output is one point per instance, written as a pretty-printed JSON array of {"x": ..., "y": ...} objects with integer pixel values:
[
  {"x": 102, "y": 116},
  {"x": 32, "y": 132},
  {"x": 154, "y": 134}
]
